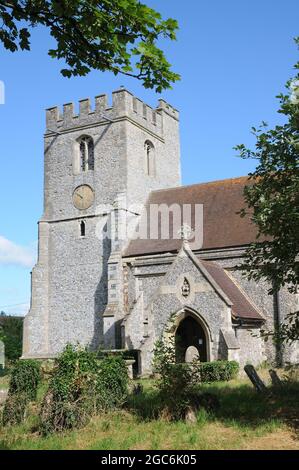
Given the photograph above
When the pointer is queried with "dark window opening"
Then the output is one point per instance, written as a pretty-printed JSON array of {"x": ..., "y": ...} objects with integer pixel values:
[{"x": 82, "y": 228}]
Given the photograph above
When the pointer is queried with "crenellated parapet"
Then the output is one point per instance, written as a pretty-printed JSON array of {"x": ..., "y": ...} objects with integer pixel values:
[{"x": 124, "y": 105}]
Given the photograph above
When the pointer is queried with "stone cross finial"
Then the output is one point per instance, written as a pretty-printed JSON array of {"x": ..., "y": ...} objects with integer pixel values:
[{"x": 185, "y": 232}]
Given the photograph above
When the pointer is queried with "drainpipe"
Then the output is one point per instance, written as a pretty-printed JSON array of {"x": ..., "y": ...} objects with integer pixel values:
[{"x": 277, "y": 321}]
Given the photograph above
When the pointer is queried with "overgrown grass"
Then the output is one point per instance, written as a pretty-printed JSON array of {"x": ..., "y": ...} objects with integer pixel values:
[
  {"x": 240, "y": 403},
  {"x": 123, "y": 431},
  {"x": 244, "y": 419},
  {"x": 4, "y": 382}
]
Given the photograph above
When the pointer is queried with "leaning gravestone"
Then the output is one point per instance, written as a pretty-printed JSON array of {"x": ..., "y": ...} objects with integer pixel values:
[
  {"x": 191, "y": 354},
  {"x": 255, "y": 379},
  {"x": 190, "y": 415},
  {"x": 276, "y": 382},
  {"x": 2, "y": 355}
]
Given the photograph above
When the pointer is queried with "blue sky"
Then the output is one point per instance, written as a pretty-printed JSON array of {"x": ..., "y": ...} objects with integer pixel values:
[{"x": 234, "y": 57}]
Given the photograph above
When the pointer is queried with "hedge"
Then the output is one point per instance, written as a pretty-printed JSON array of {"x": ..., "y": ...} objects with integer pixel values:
[
  {"x": 218, "y": 371},
  {"x": 25, "y": 377}
]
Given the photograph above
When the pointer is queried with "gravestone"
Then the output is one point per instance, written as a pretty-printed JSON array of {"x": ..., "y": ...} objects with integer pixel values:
[
  {"x": 191, "y": 354},
  {"x": 255, "y": 379},
  {"x": 129, "y": 364},
  {"x": 190, "y": 415},
  {"x": 2, "y": 355}
]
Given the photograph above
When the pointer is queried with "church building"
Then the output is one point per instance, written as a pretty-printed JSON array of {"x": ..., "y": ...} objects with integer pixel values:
[{"x": 128, "y": 255}]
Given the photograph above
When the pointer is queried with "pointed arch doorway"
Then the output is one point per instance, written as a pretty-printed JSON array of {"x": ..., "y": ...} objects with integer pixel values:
[{"x": 190, "y": 334}]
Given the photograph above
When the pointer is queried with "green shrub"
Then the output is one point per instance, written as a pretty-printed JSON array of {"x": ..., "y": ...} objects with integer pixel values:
[
  {"x": 218, "y": 370},
  {"x": 126, "y": 354},
  {"x": 14, "y": 410},
  {"x": 58, "y": 415},
  {"x": 70, "y": 394},
  {"x": 25, "y": 377},
  {"x": 178, "y": 382},
  {"x": 81, "y": 386},
  {"x": 112, "y": 383},
  {"x": 73, "y": 374},
  {"x": 11, "y": 333}
]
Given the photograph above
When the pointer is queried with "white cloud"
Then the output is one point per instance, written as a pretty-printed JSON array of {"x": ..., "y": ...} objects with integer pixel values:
[{"x": 13, "y": 254}]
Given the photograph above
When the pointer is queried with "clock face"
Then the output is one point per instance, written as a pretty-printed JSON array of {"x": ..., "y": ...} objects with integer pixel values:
[{"x": 83, "y": 197}]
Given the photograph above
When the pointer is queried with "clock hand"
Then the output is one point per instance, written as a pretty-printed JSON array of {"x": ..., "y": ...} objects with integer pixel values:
[{"x": 79, "y": 195}]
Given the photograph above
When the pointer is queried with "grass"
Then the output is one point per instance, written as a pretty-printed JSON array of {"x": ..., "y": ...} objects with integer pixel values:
[
  {"x": 4, "y": 382},
  {"x": 244, "y": 420}
]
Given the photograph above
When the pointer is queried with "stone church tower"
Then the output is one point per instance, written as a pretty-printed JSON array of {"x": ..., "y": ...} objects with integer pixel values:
[
  {"x": 100, "y": 285},
  {"x": 93, "y": 162}
]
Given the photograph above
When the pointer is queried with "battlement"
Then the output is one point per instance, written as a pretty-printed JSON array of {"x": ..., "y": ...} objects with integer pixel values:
[{"x": 124, "y": 104}]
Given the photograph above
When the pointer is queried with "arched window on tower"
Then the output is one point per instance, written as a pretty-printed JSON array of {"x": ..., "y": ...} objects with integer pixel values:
[
  {"x": 86, "y": 153},
  {"x": 150, "y": 158}
]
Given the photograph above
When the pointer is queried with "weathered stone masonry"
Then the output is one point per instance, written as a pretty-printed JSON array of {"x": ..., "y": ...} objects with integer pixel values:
[
  {"x": 117, "y": 292},
  {"x": 70, "y": 281}
]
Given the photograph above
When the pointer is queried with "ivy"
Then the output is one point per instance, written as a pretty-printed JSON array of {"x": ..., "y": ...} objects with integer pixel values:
[
  {"x": 81, "y": 386},
  {"x": 25, "y": 377}
]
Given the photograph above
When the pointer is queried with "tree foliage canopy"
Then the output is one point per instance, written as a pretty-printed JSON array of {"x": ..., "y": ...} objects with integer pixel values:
[
  {"x": 273, "y": 202},
  {"x": 11, "y": 333},
  {"x": 107, "y": 35}
]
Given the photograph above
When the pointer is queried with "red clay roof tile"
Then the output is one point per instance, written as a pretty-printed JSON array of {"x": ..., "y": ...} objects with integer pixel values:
[
  {"x": 222, "y": 225},
  {"x": 242, "y": 307}
]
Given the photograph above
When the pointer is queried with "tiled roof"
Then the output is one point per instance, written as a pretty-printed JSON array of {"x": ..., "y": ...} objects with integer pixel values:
[
  {"x": 222, "y": 225},
  {"x": 241, "y": 305}
]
